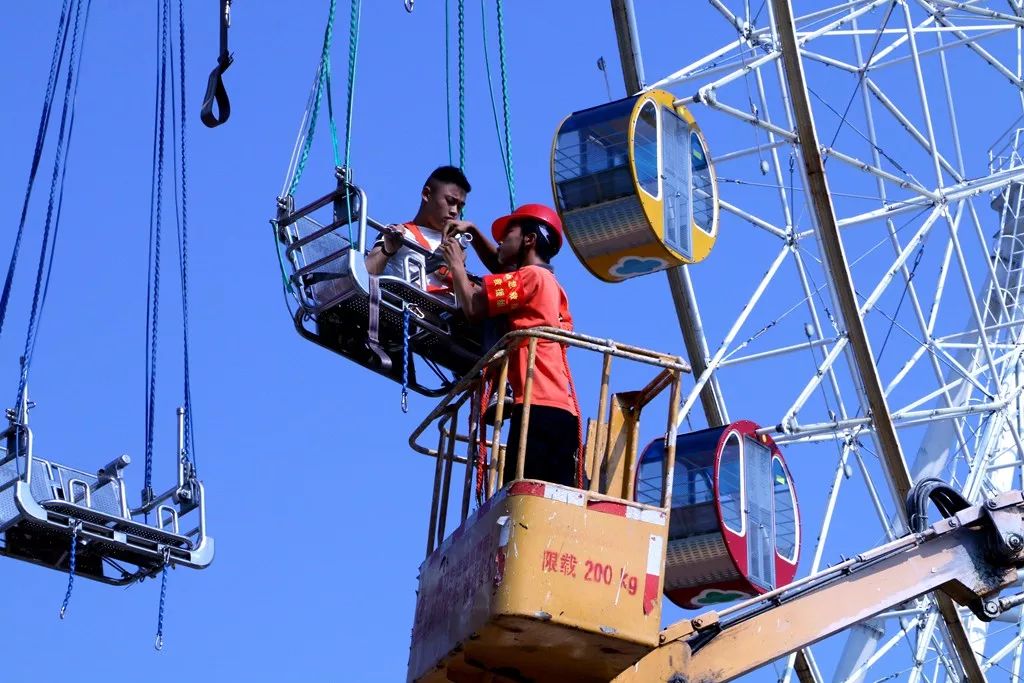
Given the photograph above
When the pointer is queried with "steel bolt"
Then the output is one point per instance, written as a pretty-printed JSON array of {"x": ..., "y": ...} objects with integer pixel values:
[
  {"x": 991, "y": 608},
  {"x": 1015, "y": 541},
  {"x": 990, "y": 504}
]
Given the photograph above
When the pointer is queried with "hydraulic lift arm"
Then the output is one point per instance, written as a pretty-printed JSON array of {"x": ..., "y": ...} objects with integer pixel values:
[{"x": 969, "y": 557}]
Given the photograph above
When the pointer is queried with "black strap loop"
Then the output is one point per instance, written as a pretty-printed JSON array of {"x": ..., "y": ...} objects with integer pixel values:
[{"x": 215, "y": 90}]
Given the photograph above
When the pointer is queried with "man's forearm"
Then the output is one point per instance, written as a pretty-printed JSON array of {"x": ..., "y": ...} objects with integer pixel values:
[
  {"x": 465, "y": 293},
  {"x": 486, "y": 250},
  {"x": 376, "y": 260}
]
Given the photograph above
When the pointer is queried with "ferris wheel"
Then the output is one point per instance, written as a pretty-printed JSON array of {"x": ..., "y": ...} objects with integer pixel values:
[{"x": 870, "y": 176}]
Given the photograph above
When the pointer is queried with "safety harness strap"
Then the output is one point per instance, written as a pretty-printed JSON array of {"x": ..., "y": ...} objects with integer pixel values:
[
  {"x": 215, "y": 91},
  {"x": 373, "y": 329},
  {"x": 441, "y": 272}
]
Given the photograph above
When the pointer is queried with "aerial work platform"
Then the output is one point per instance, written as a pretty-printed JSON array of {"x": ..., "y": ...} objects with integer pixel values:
[
  {"x": 538, "y": 572},
  {"x": 542, "y": 573}
]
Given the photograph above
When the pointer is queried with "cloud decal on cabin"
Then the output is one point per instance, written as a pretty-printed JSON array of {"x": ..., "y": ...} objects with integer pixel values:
[
  {"x": 714, "y": 596},
  {"x": 630, "y": 266}
]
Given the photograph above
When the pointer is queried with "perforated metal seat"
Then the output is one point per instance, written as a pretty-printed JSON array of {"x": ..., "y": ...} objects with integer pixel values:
[{"x": 42, "y": 502}]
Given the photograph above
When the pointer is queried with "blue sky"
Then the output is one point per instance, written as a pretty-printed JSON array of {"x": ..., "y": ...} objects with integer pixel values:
[{"x": 318, "y": 506}]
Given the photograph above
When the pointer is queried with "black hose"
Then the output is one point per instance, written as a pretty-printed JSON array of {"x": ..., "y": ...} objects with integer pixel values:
[{"x": 947, "y": 500}]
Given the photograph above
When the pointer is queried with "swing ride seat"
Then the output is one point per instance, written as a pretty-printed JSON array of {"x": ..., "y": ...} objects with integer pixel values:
[
  {"x": 336, "y": 304},
  {"x": 41, "y": 503}
]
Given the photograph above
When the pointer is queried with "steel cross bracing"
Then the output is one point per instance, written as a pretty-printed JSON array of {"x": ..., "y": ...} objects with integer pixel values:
[{"x": 919, "y": 115}]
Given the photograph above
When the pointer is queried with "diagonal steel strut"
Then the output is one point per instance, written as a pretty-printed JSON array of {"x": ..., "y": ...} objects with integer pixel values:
[{"x": 842, "y": 284}]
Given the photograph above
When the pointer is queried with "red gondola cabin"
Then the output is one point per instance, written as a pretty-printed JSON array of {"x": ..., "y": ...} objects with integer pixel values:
[{"x": 734, "y": 530}]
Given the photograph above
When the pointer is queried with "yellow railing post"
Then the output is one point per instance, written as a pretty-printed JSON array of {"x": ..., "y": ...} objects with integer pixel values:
[
  {"x": 435, "y": 499},
  {"x": 524, "y": 425},
  {"x": 449, "y": 456},
  {"x": 602, "y": 424},
  {"x": 670, "y": 437},
  {"x": 498, "y": 453},
  {"x": 472, "y": 451}
]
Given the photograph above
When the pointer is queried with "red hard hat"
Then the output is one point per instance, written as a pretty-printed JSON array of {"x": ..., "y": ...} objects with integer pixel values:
[{"x": 538, "y": 212}]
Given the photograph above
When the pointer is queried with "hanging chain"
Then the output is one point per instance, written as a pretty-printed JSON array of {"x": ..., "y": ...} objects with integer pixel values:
[
  {"x": 405, "y": 359},
  {"x": 71, "y": 568},
  {"x": 159, "y": 642}
]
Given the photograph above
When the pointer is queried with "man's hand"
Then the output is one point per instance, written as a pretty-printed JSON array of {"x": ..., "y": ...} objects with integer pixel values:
[
  {"x": 393, "y": 237},
  {"x": 456, "y": 227},
  {"x": 454, "y": 255}
]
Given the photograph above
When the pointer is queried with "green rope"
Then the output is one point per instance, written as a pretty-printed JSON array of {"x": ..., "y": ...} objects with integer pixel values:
[
  {"x": 330, "y": 116},
  {"x": 462, "y": 84},
  {"x": 353, "y": 50},
  {"x": 503, "y": 148},
  {"x": 509, "y": 170},
  {"x": 355, "y": 15},
  {"x": 322, "y": 75}
]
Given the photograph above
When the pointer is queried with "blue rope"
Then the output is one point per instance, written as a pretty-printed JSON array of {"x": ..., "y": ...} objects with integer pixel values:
[
  {"x": 189, "y": 444},
  {"x": 71, "y": 567},
  {"x": 156, "y": 221},
  {"x": 159, "y": 642},
  {"x": 322, "y": 71},
  {"x": 447, "y": 79},
  {"x": 59, "y": 164},
  {"x": 405, "y": 359},
  {"x": 60, "y": 206},
  {"x": 56, "y": 60}
]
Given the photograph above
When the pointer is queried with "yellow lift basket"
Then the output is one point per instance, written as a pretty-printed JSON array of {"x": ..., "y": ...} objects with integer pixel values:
[
  {"x": 541, "y": 582},
  {"x": 635, "y": 187}
]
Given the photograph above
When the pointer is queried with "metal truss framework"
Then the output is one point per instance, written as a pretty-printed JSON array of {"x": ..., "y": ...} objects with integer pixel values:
[{"x": 894, "y": 89}]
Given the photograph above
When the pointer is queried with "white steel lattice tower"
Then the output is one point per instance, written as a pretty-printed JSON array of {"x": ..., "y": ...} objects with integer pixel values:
[{"x": 908, "y": 99}]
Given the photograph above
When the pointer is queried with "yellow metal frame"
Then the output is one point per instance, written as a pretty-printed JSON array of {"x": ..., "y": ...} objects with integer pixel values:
[{"x": 702, "y": 241}]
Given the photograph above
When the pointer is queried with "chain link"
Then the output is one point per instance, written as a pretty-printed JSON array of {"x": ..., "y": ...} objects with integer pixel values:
[
  {"x": 159, "y": 642},
  {"x": 405, "y": 359},
  {"x": 75, "y": 528}
]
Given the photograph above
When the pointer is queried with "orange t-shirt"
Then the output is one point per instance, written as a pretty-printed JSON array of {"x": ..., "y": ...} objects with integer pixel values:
[{"x": 532, "y": 297}]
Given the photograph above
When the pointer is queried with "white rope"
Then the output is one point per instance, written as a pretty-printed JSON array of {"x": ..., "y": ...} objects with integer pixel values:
[{"x": 297, "y": 149}]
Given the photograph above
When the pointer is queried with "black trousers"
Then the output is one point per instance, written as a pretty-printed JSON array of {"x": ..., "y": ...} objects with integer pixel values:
[{"x": 552, "y": 444}]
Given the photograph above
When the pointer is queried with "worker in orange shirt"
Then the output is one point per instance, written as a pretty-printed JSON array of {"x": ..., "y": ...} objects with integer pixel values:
[{"x": 528, "y": 295}]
